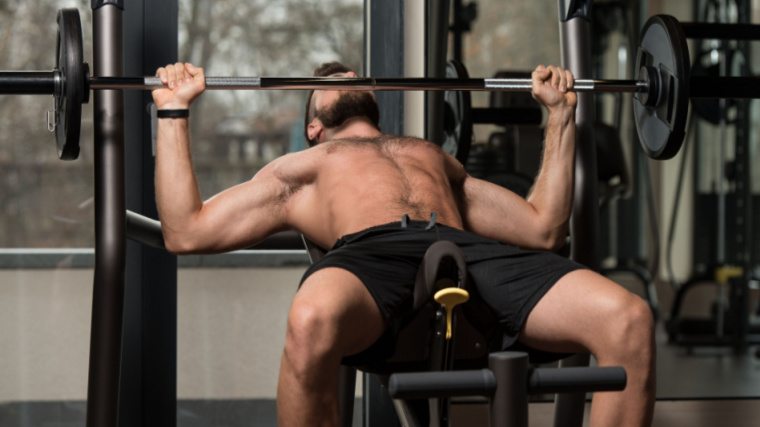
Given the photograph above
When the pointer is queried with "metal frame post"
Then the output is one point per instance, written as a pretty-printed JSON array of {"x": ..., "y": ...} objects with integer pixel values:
[
  {"x": 148, "y": 386},
  {"x": 436, "y": 50},
  {"x": 509, "y": 404},
  {"x": 110, "y": 218},
  {"x": 383, "y": 57}
]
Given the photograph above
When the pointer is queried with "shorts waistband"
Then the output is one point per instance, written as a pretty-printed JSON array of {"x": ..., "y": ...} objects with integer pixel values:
[{"x": 417, "y": 225}]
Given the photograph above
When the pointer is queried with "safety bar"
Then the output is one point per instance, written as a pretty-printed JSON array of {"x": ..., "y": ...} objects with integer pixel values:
[{"x": 144, "y": 230}]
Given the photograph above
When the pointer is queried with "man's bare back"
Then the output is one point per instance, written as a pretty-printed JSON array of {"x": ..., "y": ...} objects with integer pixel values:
[{"x": 370, "y": 181}]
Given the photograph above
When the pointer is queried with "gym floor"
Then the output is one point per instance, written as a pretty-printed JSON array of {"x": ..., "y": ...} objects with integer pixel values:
[{"x": 700, "y": 372}]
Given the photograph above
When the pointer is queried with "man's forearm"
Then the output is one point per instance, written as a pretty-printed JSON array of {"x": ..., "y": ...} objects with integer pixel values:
[
  {"x": 552, "y": 193},
  {"x": 177, "y": 192}
]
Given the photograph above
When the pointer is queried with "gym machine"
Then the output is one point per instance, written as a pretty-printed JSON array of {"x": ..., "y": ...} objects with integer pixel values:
[{"x": 663, "y": 88}]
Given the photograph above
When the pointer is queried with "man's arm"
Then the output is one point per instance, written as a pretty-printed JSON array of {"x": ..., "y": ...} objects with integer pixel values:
[
  {"x": 233, "y": 219},
  {"x": 541, "y": 221}
]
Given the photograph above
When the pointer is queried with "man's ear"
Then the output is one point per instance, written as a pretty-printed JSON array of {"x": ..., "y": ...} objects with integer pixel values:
[{"x": 315, "y": 129}]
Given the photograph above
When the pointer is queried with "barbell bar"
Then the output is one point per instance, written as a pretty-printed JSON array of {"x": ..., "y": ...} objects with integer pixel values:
[
  {"x": 44, "y": 82},
  {"x": 662, "y": 87}
]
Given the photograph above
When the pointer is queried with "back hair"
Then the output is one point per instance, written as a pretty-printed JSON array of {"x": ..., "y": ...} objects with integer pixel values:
[{"x": 323, "y": 70}]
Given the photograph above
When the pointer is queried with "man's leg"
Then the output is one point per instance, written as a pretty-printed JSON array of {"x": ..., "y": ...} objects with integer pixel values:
[
  {"x": 586, "y": 312},
  {"x": 332, "y": 316}
]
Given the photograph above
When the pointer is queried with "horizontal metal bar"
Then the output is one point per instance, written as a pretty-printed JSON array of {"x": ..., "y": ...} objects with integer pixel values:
[
  {"x": 697, "y": 30},
  {"x": 724, "y": 87},
  {"x": 507, "y": 116},
  {"x": 364, "y": 83},
  {"x": 27, "y": 82},
  {"x": 43, "y": 82}
]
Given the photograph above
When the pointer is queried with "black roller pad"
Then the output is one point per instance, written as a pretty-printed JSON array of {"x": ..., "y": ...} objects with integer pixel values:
[
  {"x": 661, "y": 122},
  {"x": 71, "y": 90},
  {"x": 457, "y": 116}
]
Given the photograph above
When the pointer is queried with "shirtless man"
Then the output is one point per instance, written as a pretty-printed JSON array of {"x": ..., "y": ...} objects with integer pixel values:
[{"x": 349, "y": 192}]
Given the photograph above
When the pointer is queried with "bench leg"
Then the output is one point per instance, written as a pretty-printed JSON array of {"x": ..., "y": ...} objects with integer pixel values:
[
  {"x": 509, "y": 404},
  {"x": 346, "y": 388},
  {"x": 569, "y": 407}
]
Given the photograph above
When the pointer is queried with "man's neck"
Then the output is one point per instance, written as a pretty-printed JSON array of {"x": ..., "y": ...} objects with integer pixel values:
[{"x": 358, "y": 127}]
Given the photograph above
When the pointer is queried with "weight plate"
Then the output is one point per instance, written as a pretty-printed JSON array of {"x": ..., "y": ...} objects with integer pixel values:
[
  {"x": 70, "y": 89},
  {"x": 663, "y": 49},
  {"x": 457, "y": 115}
]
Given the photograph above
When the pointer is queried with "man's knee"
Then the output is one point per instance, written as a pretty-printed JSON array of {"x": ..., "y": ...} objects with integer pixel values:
[
  {"x": 632, "y": 329},
  {"x": 310, "y": 333},
  {"x": 332, "y": 316}
]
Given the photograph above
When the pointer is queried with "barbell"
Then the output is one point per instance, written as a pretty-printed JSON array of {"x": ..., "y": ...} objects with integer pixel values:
[{"x": 662, "y": 87}]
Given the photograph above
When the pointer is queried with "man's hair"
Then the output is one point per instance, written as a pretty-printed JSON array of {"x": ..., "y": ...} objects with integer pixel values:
[{"x": 323, "y": 70}]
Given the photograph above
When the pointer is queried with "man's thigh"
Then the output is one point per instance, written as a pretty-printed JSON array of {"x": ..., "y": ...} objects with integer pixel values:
[
  {"x": 337, "y": 297},
  {"x": 577, "y": 314}
]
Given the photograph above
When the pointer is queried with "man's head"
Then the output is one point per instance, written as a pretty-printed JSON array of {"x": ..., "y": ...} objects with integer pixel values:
[{"x": 335, "y": 107}]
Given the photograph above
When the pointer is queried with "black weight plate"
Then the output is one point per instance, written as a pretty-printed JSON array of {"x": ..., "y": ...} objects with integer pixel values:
[
  {"x": 662, "y": 128},
  {"x": 70, "y": 93},
  {"x": 457, "y": 116}
]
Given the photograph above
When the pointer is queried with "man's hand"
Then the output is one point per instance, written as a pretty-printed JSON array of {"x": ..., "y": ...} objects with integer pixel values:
[
  {"x": 185, "y": 81},
  {"x": 551, "y": 87}
]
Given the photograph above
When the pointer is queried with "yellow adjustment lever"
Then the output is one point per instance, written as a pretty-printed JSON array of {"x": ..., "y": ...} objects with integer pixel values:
[
  {"x": 450, "y": 298},
  {"x": 725, "y": 272}
]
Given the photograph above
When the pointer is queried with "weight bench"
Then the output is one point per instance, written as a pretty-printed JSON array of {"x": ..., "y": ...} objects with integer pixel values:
[{"x": 439, "y": 354}]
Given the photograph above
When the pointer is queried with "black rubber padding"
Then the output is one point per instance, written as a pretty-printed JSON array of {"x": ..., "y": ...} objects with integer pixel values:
[
  {"x": 565, "y": 380},
  {"x": 422, "y": 385}
]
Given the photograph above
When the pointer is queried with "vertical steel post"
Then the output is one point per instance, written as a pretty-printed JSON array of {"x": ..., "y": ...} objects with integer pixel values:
[
  {"x": 437, "y": 31},
  {"x": 509, "y": 404},
  {"x": 384, "y": 57},
  {"x": 575, "y": 39},
  {"x": 744, "y": 200},
  {"x": 110, "y": 217}
]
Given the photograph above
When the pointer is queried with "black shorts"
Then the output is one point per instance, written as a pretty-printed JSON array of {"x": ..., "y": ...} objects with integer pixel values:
[{"x": 386, "y": 258}]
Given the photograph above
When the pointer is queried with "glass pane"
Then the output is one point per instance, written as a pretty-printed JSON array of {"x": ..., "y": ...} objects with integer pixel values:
[
  {"x": 46, "y": 232},
  {"x": 237, "y": 132},
  {"x": 498, "y": 42},
  {"x": 44, "y": 202},
  {"x": 231, "y": 322}
]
